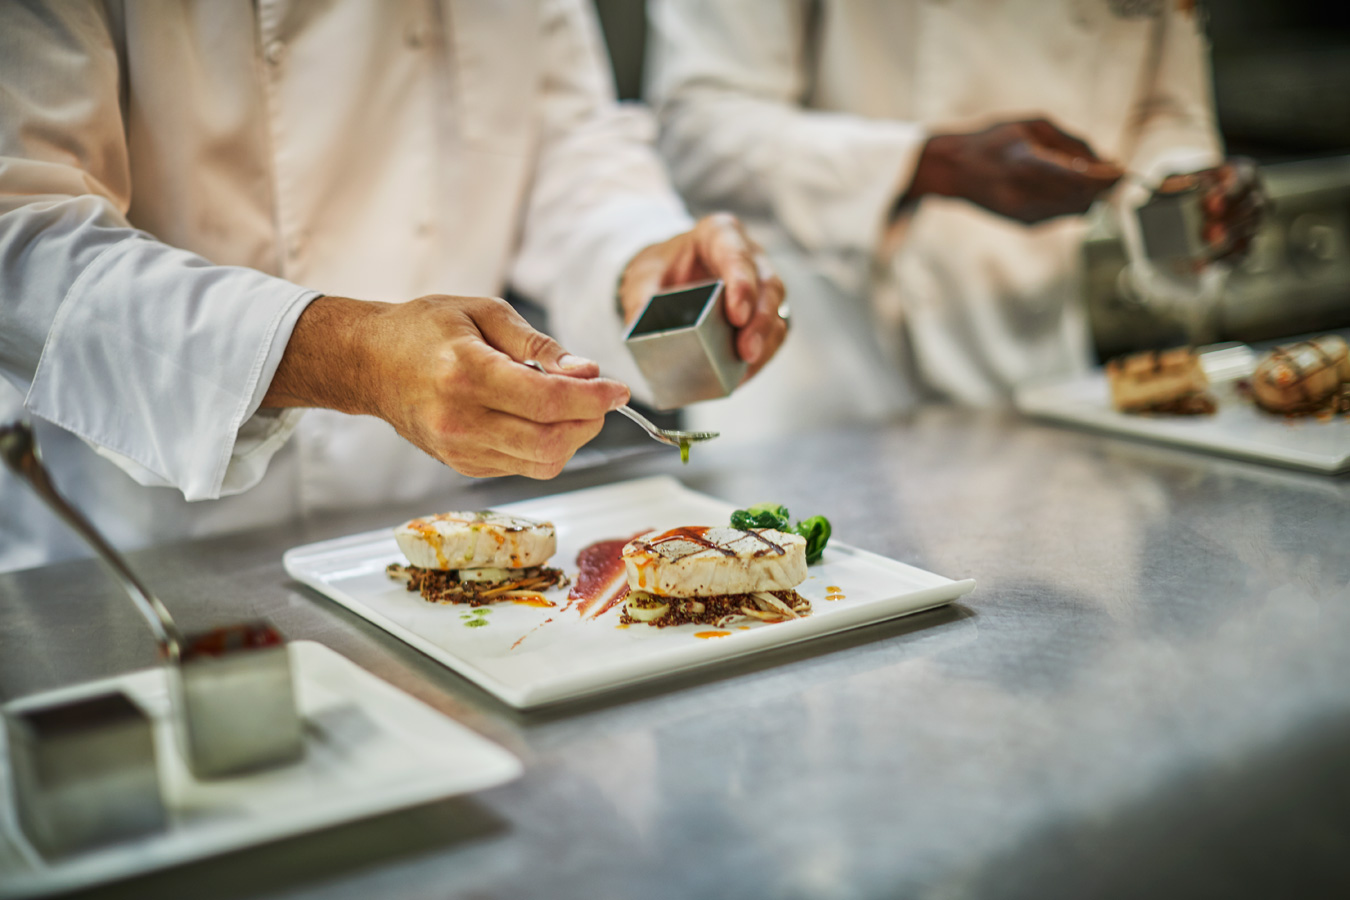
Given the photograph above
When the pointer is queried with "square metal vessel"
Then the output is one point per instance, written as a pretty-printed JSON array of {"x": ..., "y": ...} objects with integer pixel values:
[{"x": 685, "y": 347}]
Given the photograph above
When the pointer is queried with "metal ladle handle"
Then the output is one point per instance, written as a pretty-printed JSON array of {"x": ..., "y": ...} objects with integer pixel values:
[{"x": 19, "y": 450}]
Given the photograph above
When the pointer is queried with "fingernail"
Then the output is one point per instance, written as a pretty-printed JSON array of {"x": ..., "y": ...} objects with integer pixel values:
[
  {"x": 568, "y": 361},
  {"x": 753, "y": 346},
  {"x": 617, "y": 402}
]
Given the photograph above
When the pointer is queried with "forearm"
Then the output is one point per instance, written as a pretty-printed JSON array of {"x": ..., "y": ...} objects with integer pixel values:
[{"x": 325, "y": 364}]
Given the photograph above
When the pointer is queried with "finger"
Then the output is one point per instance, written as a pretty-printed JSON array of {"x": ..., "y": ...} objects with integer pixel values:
[
  {"x": 729, "y": 254},
  {"x": 534, "y": 442},
  {"x": 506, "y": 330},
  {"x": 487, "y": 463},
  {"x": 509, "y": 387},
  {"x": 761, "y": 337},
  {"x": 1072, "y": 172},
  {"x": 644, "y": 277},
  {"x": 1049, "y": 135}
]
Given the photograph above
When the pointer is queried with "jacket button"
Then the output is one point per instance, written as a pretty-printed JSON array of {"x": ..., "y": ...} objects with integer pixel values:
[{"x": 274, "y": 52}]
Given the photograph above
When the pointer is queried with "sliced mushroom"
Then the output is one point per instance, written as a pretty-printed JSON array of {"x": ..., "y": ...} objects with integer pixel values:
[{"x": 773, "y": 603}]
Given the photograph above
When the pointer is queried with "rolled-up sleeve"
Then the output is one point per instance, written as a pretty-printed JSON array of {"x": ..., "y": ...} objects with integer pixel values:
[{"x": 152, "y": 354}]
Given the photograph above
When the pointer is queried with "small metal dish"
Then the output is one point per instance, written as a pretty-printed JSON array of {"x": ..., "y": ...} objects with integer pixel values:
[{"x": 685, "y": 347}]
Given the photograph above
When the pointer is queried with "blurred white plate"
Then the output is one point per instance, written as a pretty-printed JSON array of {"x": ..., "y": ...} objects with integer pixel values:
[
  {"x": 369, "y": 748},
  {"x": 529, "y": 656},
  {"x": 1237, "y": 428}
]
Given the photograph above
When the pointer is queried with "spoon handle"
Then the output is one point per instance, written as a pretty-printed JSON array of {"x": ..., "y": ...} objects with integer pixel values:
[{"x": 19, "y": 451}]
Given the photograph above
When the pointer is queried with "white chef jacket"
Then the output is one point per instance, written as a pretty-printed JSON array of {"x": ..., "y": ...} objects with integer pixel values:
[
  {"x": 179, "y": 179},
  {"x": 817, "y": 130}
]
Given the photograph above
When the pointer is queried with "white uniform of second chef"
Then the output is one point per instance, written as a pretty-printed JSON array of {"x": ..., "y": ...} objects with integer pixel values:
[
  {"x": 178, "y": 180},
  {"x": 809, "y": 116}
]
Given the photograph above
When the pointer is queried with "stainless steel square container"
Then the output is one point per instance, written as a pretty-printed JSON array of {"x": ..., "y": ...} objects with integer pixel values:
[
  {"x": 235, "y": 701},
  {"x": 1171, "y": 228},
  {"x": 685, "y": 347},
  {"x": 85, "y": 773}
]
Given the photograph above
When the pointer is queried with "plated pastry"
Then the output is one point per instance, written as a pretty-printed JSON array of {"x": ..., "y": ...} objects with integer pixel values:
[
  {"x": 1160, "y": 381},
  {"x": 1302, "y": 378}
]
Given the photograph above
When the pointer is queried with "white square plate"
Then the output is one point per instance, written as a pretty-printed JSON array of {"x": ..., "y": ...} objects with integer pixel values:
[
  {"x": 1237, "y": 428},
  {"x": 369, "y": 748},
  {"x": 529, "y": 656}
]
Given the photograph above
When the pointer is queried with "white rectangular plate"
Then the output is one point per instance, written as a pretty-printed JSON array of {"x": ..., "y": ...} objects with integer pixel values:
[
  {"x": 1237, "y": 429},
  {"x": 369, "y": 748},
  {"x": 529, "y": 656}
]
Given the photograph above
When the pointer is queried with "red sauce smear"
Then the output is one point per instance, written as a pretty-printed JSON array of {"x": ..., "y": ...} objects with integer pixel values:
[
  {"x": 600, "y": 572},
  {"x": 531, "y": 631}
]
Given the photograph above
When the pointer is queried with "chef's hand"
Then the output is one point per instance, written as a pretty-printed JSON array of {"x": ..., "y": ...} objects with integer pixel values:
[
  {"x": 1234, "y": 203},
  {"x": 443, "y": 371},
  {"x": 717, "y": 247},
  {"x": 1029, "y": 171}
]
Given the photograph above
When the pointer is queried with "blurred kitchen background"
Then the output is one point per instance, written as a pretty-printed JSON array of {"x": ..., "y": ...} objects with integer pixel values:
[{"x": 1282, "y": 91}]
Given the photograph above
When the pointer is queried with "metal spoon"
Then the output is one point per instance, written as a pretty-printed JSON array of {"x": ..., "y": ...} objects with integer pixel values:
[
  {"x": 672, "y": 436},
  {"x": 20, "y": 454}
]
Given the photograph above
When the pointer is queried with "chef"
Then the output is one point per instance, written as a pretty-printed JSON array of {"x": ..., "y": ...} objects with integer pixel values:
[
  {"x": 922, "y": 167},
  {"x": 215, "y": 214}
]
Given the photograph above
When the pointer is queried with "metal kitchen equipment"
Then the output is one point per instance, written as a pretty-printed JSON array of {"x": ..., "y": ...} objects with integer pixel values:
[
  {"x": 232, "y": 695},
  {"x": 674, "y": 437},
  {"x": 85, "y": 773},
  {"x": 1294, "y": 281},
  {"x": 1171, "y": 227},
  {"x": 685, "y": 347}
]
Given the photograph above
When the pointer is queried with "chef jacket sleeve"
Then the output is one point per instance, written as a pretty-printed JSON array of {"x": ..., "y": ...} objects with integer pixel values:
[
  {"x": 600, "y": 193},
  {"x": 728, "y": 81},
  {"x": 1175, "y": 114},
  {"x": 154, "y": 356}
]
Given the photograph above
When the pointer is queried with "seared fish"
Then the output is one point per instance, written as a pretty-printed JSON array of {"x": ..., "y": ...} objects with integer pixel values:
[
  {"x": 708, "y": 562},
  {"x": 476, "y": 540}
]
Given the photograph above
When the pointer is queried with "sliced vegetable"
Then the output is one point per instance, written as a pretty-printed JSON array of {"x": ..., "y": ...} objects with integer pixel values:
[{"x": 645, "y": 608}]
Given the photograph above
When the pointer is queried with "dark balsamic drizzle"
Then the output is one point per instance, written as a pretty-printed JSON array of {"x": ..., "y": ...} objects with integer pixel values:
[
  {"x": 772, "y": 546},
  {"x": 692, "y": 533}
]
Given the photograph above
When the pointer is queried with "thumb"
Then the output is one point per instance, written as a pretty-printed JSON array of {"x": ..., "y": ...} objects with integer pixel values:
[{"x": 506, "y": 330}]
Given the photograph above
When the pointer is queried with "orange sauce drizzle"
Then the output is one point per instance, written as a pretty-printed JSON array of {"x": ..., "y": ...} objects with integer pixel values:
[
  {"x": 533, "y": 600},
  {"x": 711, "y": 634}
]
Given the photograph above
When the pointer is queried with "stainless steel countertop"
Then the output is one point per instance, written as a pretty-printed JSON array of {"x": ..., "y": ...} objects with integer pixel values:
[{"x": 1148, "y": 693}]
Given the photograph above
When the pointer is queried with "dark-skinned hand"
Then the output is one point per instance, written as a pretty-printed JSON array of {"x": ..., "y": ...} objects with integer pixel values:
[{"x": 1029, "y": 171}]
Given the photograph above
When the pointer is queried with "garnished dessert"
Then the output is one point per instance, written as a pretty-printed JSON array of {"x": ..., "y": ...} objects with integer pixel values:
[
  {"x": 1166, "y": 381},
  {"x": 1306, "y": 378},
  {"x": 714, "y": 576},
  {"x": 476, "y": 557}
]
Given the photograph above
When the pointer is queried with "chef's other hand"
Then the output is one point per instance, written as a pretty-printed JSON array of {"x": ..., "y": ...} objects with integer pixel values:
[
  {"x": 1234, "y": 202},
  {"x": 1029, "y": 171},
  {"x": 444, "y": 372},
  {"x": 717, "y": 247}
]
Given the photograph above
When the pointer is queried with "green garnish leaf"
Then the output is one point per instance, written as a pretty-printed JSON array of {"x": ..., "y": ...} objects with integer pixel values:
[
  {"x": 815, "y": 529},
  {"x": 761, "y": 515},
  {"x": 817, "y": 532}
]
